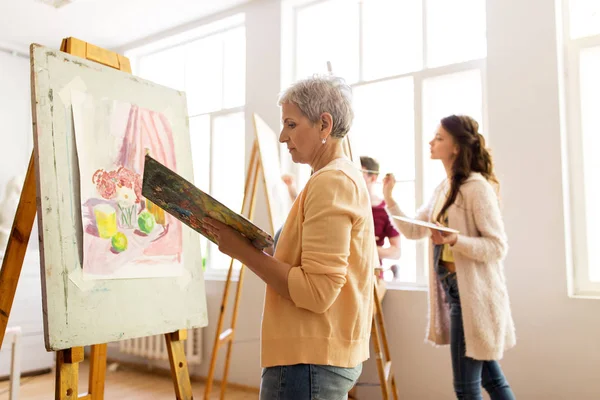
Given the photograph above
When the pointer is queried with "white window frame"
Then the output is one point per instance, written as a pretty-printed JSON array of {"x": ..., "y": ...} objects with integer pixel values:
[
  {"x": 206, "y": 30},
  {"x": 290, "y": 12},
  {"x": 579, "y": 284}
]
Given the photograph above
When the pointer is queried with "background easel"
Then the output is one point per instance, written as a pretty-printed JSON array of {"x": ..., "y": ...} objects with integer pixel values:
[
  {"x": 255, "y": 167},
  {"x": 67, "y": 361},
  {"x": 383, "y": 357}
]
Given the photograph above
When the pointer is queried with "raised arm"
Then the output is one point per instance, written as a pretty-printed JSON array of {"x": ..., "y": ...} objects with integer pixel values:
[
  {"x": 410, "y": 231},
  {"x": 491, "y": 245},
  {"x": 330, "y": 211}
]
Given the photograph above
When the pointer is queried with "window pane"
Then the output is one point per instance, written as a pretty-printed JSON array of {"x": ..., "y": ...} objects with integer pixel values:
[
  {"x": 200, "y": 142},
  {"x": 204, "y": 75},
  {"x": 327, "y": 31},
  {"x": 404, "y": 192},
  {"x": 396, "y": 21},
  {"x": 590, "y": 126},
  {"x": 458, "y": 93},
  {"x": 164, "y": 67},
  {"x": 584, "y": 18},
  {"x": 391, "y": 141},
  {"x": 228, "y": 170},
  {"x": 456, "y": 31},
  {"x": 383, "y": 125},
  {"x": 234, "y": 74}
]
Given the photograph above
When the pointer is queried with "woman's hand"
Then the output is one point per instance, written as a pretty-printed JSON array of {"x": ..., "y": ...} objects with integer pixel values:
[
  {"x": 389, "y": 181},
  {"x": 440, "y": 237},
  {"x": 291, "y": 185},
  {"x": 230, "y": 241}
]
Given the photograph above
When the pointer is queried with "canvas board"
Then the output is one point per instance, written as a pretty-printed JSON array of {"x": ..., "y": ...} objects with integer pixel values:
[
  {"x": 425, "y": 224},
  {"x": 79, "y": 311},
  {"x": 278, "y": 198}
]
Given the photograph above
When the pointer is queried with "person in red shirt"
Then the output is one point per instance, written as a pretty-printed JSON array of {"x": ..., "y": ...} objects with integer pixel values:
[{"x": 383, "y": 225}]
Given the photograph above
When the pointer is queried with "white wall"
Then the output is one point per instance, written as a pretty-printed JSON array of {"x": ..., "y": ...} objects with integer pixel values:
[{"x": 15, "y": 117}]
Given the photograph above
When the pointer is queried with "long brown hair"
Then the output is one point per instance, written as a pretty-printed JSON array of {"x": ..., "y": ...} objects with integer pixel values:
[{"x": 472, "y": 155}]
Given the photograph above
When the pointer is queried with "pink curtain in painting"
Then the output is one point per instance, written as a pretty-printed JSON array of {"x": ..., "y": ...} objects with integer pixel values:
[{"x": 150, "y": 130}]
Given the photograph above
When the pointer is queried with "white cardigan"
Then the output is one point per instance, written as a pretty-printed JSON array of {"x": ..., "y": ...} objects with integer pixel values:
[{"x": 478, "y": 253}]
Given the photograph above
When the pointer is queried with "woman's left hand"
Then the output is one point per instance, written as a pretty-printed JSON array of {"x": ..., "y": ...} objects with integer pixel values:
[
  {"x": 230, "y": 242},
  {"x": 440, "y": 237}
]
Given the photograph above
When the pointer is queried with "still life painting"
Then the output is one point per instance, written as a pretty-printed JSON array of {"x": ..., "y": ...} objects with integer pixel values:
[{"x": 124, "y": 234}]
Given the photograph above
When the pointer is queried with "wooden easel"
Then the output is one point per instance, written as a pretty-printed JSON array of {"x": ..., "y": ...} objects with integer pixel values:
[
  {"x": 378, "y": 333},
  {"x": 383, "y": 360},
  {"x": 227, "y": 336},
  {"x": 67, "y": 361}
]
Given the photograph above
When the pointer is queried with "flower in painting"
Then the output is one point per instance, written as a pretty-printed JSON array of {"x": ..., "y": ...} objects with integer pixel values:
[
  {"x": 109, "y": 183},
  {"x": 126, "y": 197}
]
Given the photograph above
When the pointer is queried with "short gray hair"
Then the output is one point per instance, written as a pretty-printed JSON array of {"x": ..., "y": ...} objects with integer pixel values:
[{"x": 320, "y": 94}]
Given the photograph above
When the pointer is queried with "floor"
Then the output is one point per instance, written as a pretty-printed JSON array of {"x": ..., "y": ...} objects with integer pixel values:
[{"x": 125, "y": 383}]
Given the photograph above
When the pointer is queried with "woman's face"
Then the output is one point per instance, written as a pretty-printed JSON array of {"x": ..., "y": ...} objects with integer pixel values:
[
  {"x": 300, "y": 135},
  {"x": 443, "y": 147}
]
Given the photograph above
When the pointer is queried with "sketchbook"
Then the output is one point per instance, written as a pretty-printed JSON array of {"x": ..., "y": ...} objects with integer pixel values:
[
  {"x": 425, "y": 223},
  {"x": 190, "y": 205}
]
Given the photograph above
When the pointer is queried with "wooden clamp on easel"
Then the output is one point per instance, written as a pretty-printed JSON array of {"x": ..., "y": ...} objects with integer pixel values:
[{"x": 67, "y": 368}]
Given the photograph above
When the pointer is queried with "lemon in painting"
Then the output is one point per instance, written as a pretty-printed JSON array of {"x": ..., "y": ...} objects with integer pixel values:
[
  {"x": 146, "y": 221},
  {"x": 119, "y": 242}
]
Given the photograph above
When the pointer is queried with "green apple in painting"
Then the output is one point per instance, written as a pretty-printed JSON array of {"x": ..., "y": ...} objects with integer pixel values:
[
  {"x": 146, "y": 221},
  {"x": 119, "y": 242}
]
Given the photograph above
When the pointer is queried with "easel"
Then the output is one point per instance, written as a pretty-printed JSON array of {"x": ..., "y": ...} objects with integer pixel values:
[
  {"x": 378, "y": 333},
  {"x": 227, "y": 336},
  {"x": 67, "y": 361}
]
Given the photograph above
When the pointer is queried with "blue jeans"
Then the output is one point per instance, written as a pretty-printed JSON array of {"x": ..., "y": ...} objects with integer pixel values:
[
  {"x": 470, "y": 374},
  {"x": 307, "y": 382}
]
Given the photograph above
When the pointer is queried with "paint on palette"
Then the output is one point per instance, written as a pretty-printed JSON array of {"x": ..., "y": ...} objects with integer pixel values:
[{"x": 190, "y": 205}]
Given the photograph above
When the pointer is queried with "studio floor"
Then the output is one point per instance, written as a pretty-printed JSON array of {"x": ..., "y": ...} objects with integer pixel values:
[{"x": 126, "y": 383}]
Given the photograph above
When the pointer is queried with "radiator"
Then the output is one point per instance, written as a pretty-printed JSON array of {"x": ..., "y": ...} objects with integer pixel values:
[{"x": 155, "y": 348}]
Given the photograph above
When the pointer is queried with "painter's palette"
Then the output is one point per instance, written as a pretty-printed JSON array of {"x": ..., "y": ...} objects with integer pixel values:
[{"x": 189, "y": 204}]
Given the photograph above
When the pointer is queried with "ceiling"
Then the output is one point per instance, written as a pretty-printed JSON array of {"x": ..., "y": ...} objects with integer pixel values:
[{"x": 105, "y": 23}]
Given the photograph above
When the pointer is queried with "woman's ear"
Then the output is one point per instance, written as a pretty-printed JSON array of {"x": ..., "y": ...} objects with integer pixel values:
[{"x": 326, "y": 125}]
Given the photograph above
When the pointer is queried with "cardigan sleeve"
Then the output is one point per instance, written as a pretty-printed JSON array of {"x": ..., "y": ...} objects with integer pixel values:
[
  {"x": 412, "y": 231},
  {"x": 329, "y": 214},
  {"x": 491, "y": 244}
]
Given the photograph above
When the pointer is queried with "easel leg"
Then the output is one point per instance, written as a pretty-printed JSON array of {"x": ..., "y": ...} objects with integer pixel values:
[
  {"x": 222, "y": 337},
  {"x": 179, "y": 367},
  {"x": 67, "y": 373},
  {"x": 16, "y": 247},
  {"x": 383, "y": 358},
  {"x": 97, "y": 371},
  {"x": 233, "y": 325}
]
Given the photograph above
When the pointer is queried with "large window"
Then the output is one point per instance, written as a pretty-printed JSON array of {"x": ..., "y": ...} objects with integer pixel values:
[
  {"x": 410, "y": 63},
  {"x": 209, "y": 64},
  {"x": 582, "y": 39}
]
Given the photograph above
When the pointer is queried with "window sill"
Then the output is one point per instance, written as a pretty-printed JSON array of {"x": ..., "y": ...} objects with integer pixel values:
[
  {"x": 406, "y": 286},
  {"x": 585, "y": 296}
]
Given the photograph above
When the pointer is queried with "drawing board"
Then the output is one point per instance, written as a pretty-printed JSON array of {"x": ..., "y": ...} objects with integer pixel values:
[
  {"x": 93, "y": 126},
  {"x": 278, "y": 198}
]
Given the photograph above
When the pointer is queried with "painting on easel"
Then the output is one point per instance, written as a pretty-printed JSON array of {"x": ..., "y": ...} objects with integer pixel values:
[{"x": 124, "y": 234}]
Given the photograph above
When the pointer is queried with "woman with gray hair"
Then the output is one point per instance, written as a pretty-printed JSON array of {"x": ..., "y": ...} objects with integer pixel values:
[{"x": 319, "y": 298}]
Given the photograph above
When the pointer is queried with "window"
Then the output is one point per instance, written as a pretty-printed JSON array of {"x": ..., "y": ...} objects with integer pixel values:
[
  {"x": 410, "y": 63},
  {"x": 582, "y": 39},
  {"x": 209, "y": 64}
]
